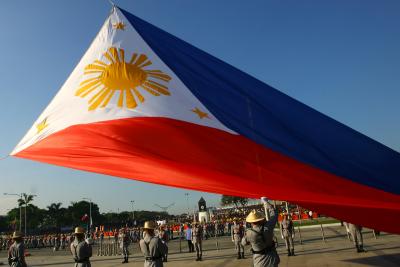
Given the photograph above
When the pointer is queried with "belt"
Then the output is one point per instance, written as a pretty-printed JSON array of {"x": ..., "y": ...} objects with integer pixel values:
[
  {"x": 82, "y": 261},
  {"x": 152, "y": 258},
  {"x": 265, "y": 250}
]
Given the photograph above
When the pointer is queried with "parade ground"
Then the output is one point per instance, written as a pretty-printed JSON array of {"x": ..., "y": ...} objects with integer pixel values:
[{"x": 336, "y": 250}]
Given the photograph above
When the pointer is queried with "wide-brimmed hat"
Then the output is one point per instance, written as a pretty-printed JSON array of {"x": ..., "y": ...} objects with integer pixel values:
[
  {"x": 149, "y": 225},
  {"x": 17, "y": 234},
  {"x": 255, "y": 216},
  {"x": 79, "y": 230}
]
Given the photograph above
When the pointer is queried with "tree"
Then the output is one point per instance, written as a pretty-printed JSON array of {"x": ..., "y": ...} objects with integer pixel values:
[
  {"x": 25, "y": 200},
  {"x": 56, "y": 216},
  {"x": 232, "y": 200},
  {"x": 78, "y": 209}
]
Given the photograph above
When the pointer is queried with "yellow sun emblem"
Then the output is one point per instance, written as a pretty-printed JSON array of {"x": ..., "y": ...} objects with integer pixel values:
[
  {"x": 43, "y": 124},
  {"x": 123, "y": 77},
  {"x": 119, "y": 26}
]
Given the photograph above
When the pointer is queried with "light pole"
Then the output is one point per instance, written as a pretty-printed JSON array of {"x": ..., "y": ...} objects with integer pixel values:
[
  {"x": 26, "y": 205},
  {"x": 133, "y": 211},
  {"x": 90, "y": 213},
  {"x": 20, "y": 208},
  {"x": 187, "y": 202}
]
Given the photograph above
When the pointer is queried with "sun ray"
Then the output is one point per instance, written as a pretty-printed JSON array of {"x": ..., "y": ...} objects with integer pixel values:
[
  {"x": 98, "y": 94},
  {"x": 147, "y": 63},
  {"x": 90, "y": 90},
  {"x": 122, "y": 54},
  {"x": 88, "y": 80},
  {"x": 114, "y": 52},
  {"x": 133, "y": 58},
  {"x": 142, "y": 58},
  {"x": 95, "y": 67},
  {"x": 87, "y": 86},
  {"x": 92, "y": 71},
  {"x": 110, "y": 95},
  {"x": 138, "y": 94},
  {"x": 108, "y": 56},
  {"x": 121, "y": 99},
  {"x": 100, "y": 99},
  {"x": 100, "y": 63},
  {"x": 160, "y": 76},
  {"x": 158, "y": 87},
  {"x": 151, "y": 91},
  {"x": 130, "y": 100}
]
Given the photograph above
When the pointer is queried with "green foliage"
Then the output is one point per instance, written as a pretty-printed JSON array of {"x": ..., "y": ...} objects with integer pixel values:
[
  {"x": 232, "y": 200},
  {"x": 55, "y": 216}
]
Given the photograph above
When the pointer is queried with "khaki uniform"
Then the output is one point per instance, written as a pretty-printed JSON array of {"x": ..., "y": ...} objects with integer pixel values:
[
  {"x": 356, "y": 235},
  {"x": 124, "y": 245},
  {"x": 260, "y": 237},
  {"x": 163, "y": 235},
  {"x": 153, "y": 250},
  {"x": 237, "y": 235},
  {"x": 16, "y": 256},
  {"x": 287, "y": 233},
  {"x": 81, "y": 251},
  {"x": 197, "y": 239}
]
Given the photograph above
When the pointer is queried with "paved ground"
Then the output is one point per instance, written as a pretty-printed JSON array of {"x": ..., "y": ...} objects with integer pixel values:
[{"x": 336, "y": 251}]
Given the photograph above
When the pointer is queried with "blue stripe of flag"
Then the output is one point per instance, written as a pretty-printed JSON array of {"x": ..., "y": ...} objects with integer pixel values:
[{"x": 271, "y": 118}]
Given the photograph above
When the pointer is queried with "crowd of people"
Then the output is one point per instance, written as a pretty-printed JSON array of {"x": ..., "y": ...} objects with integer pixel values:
[{"x": 256, "y": 230}]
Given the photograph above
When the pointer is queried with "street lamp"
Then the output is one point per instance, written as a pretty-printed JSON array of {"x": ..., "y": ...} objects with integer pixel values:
[
  {"x": 20, "y": 208},
  {"x": 26, "y": 204},
  {"x": 90, "y": 213},
  {"x": 187, "y": 202},
  {"x": 133, "y": 211}
]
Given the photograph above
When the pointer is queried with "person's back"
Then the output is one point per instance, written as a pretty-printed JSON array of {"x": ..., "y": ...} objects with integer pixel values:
[
  {"x": 16, "y": 256},
  {"x": 151, "y": 246},
  {"x": 80, "y": 249},
  {"x": 189, "y": 233},
  {"x": 260, "y": 237}
]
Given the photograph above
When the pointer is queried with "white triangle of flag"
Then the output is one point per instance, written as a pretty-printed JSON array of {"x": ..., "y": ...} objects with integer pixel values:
[{"x": 118, "y": 77}]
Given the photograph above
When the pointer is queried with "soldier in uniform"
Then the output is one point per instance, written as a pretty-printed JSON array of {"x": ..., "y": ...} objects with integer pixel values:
[
  {"x": 260, "y": 236},
  {"x": 356, "y": 235},
  {"x": 16, "y": 256},
  {"x": 237, "y": 235},
  {"x": 197, "y": 239},
  {"x": 81, "y": 250},
  {"x": 163, "y": 235},
  {"x": 287, "y": 234},
  {"x": 189, "y": 238},
  {"x": 124, "y": 244},
  {"x": 151, "y": 246}
]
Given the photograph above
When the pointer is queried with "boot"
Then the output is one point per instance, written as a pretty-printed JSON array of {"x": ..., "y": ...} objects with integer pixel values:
[
  {"x": 243, "y": 255},
  {"x": 288, "y": 252},
  {"x": 293, "y": 252},
  {"x": 239, "y": 256}
]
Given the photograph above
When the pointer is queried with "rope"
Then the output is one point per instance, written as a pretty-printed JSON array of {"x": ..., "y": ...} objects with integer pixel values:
[{"x": 4, "y": 157}]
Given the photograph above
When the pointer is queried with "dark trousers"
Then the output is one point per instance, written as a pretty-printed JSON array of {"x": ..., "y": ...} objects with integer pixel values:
[{"x": 191, "y": 246}]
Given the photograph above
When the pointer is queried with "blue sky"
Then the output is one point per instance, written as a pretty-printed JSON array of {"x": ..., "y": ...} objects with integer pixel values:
[{"x": 340, "y": 57}]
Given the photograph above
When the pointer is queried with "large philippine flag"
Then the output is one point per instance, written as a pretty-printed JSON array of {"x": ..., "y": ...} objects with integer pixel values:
[{"x": 145, "y": 105}]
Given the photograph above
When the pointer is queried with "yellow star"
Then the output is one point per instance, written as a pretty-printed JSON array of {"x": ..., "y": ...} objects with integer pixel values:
[
  {"x": 42, "y": 125},
  {"x": 200, "y": 113},
  {"x": 119, "y": 26}
]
